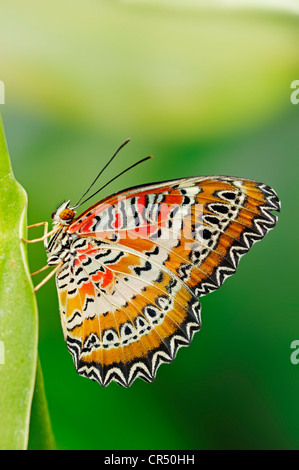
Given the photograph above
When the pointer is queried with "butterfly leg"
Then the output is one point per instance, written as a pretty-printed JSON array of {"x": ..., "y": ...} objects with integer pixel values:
[
  {"x": 40, "y": 270},
  {"x": 48, "y": 276},
  {"x": 44, "y": 237}
]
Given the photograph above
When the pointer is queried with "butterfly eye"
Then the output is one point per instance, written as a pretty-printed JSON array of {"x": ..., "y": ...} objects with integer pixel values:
[{"x": 67, "y": 214}]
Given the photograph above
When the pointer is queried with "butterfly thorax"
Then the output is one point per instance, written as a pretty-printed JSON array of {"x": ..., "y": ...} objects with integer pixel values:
[{"x": 58, "y": 248}]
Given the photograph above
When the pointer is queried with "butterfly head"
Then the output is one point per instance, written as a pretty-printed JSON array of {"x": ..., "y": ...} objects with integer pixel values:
[{"x": 64, "y": 214}]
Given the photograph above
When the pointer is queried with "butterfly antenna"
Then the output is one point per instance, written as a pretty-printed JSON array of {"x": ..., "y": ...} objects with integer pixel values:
[
  {"x": 124, "y": 171},
  {"x": 108, "y": 163}
]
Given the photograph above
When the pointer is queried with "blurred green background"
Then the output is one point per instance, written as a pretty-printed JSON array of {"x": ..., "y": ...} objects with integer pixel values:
[{"x": 205, "y": 91}]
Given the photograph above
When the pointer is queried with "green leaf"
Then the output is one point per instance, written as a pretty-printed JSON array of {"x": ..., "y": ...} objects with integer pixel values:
[
  {"x": 18, "y": 318},
  {"x": 40, "y": 436}
]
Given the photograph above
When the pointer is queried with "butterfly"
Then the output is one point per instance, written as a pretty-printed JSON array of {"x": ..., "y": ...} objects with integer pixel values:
[{"x": 130, "y": 269}]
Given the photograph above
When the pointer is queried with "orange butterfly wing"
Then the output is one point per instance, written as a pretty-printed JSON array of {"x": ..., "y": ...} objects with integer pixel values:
[{"x": 140, "y": 260}]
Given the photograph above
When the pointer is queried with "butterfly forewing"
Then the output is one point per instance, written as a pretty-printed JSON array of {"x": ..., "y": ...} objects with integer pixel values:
[{"x": 140, "y": 260}]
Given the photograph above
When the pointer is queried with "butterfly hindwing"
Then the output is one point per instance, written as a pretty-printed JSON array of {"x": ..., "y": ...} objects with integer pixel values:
[{"x": 123, "y": 315}]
